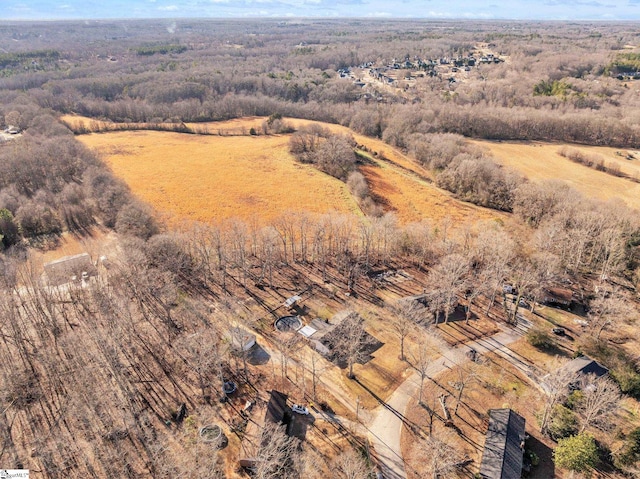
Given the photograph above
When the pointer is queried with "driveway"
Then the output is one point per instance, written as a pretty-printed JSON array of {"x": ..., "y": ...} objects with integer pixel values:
[{"x": 385, "y": 428}]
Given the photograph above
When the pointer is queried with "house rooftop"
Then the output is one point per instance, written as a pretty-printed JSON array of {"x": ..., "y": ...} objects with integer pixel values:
[
  {"x": 585, "y": 365},
  {"x": 64, "y": 269},
  {"x": 503, "y": 447},
  {"x": 276, "y": 408}
]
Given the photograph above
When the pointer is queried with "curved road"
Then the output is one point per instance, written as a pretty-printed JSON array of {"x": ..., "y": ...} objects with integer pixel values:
[{"x": 386, "y": 426}]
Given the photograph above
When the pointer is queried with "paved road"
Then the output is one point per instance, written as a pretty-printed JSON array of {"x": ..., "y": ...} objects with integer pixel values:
[
  {"x": 384, "y": 424},
  {"x": 386, "y": 427}
]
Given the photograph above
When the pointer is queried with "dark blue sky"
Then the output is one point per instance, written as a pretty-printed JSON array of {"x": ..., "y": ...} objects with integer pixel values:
[{"x": 513, "y": 9}]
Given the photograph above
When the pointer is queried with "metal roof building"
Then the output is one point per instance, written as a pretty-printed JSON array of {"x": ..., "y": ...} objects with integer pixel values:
[{"x": 504, "y": 446}]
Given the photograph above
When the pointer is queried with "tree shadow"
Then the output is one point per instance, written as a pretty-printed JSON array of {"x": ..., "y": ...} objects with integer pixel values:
[
  {"x": 545, "y": 468},
  {"x": 299, "y": 424}
]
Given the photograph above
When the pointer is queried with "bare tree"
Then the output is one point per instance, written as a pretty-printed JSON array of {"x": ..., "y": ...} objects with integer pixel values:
[
  {"x": 406, "y": 316},
  {"x": 274, "y": 455},
  {"x": 609, "y": 307},
  {"x": 494, "y": 250},
  {"x": 317, "y": 368},
  {"x": 287, "y": 345},
  {"x": 547, "y": 267},
  {"x": 530, "y": 274},
  {"x": 422, "y": 355},
  {"x": 202, "y": 353},
  {"x": 446, "y": 281},
  {"x": 557, "y": 388},
  {"x": 351, "y": 340},
  {"x": 466, "y": 373},
  {"x": 350, "y": 465},
  {"x": 441, "y": 456},
  {"x": 600, "y": 399}
]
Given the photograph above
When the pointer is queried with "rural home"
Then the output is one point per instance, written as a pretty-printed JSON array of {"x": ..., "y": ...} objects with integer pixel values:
[
  {"x": 502, "y": 457},
  {"x": 557, "y": 296},
  {"x": 583, "y": 366},
  {"x": 69, "y": 268},
  {"x": 578, "y": 368}
]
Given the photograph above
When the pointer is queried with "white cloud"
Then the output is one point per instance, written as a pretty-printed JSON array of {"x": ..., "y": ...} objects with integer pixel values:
[{"x": 169, "y": 8}]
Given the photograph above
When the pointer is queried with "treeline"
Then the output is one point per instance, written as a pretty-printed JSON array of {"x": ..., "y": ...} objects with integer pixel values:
[
  {"x": 12, "y": 59},
  {"x": 226, "y": 72},
  {"x": 595, "y": 161},
  {"x": 51, "y": 183}
]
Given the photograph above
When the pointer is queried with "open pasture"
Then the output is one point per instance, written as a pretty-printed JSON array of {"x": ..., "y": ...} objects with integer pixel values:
[
  {"x": 209, "y": 178},
  {"x": 541, "y": 161},
  {"x": 212, "y": 177}
]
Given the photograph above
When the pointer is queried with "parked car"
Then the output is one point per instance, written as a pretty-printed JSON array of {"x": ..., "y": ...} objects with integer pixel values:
[
  {"x": 299, "y": 409},
  {"x": 559, "y": 331}
]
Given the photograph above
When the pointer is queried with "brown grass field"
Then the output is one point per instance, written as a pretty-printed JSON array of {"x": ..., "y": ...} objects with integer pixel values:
[
  {"x": 213, "y": 177},
  {"x": 207, "y": 178},
  {"x": 412, "y": 196},
  {"x": 541, "y": 161}
]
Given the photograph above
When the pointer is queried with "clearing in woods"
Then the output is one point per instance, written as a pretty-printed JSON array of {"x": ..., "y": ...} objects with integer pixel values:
[
  {"x": 541, "y": 161},
  {"x": 210, "y": 177},
  {"x": 205, "y": 178}
]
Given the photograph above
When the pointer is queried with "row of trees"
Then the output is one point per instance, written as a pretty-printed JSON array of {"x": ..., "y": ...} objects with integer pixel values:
[{"x": 227, "y": 72}]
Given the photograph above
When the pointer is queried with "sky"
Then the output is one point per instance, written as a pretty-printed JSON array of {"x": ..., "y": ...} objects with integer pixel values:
[{"x": 429, "y": 9}]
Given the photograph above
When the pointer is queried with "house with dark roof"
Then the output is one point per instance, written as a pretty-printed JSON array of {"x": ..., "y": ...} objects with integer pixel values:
[
  {"x": 577, "y": 369},
  {"x": 277, "y": 409},
  {"x": 585, "y": 365},
  {"x": 504, "y": 445}
]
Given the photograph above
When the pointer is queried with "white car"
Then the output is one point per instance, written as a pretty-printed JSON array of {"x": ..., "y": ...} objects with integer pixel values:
[{"x": 299, "y": 409}]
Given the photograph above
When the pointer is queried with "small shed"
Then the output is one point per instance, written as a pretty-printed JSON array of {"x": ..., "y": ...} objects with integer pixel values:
[
  {"x": 502, "y": 457},
  {"x": 307, "y": 331},
  {"x": 290, "y": 302},
  {"x": 69, "y": 268},
  {"x": 242, "y": 340}
]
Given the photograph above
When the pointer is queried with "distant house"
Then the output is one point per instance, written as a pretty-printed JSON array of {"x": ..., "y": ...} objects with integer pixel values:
[
  {"x": 584, "y": 365},
  {"x": 68, "y": 269},
  {"x": 504, "y": 446},
  {"x": 558, "y": 296}
]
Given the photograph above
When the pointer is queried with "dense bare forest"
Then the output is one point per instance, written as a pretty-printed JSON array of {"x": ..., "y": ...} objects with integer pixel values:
[{"x": 95, "y": 372}]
